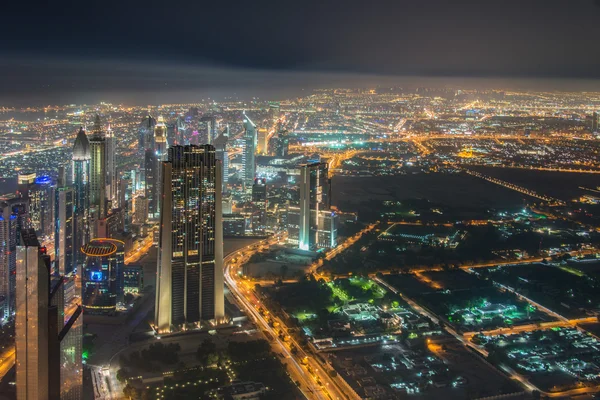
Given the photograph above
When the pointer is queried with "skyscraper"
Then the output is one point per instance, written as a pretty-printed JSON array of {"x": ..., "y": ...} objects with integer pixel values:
[
  {"x": 81, "y": 186},
  {"x": 64, "y": 235},
  {"x": 33, "y": 333},
  {"x": 98, "y": 171},
  {"x": 146, "y": 135},
  {"x": 220, "y": 144},
  {"x": 151, "y": 175},
  {"x": 160, "y": 151},
  {"x": 248, "y": 154},
  {"x": 111, "y": 172},
  {"x": 145, "y": 142},
  {"x": 595, "y": 122},
  {"x": 315, "y": 197},
  {"x": 41, "y": 205},
  {"x": 190, "y": 271},
  {"x": 8, "y": 251},
  {"x": 48, "y": 350},
  {"x": 259, "y": 202}
]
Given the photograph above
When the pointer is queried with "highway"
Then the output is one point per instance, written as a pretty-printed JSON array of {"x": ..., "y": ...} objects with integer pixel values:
[
  {"x": 7, "y": 360},
  {"x": 316, "y": 383}
]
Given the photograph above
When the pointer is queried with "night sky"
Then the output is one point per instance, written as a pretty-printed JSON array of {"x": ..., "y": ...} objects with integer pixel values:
[{"x": 52, "y": 50}]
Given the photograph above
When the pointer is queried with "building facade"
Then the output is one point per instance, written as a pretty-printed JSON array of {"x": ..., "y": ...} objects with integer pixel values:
[{"x": 190, "y": 271}]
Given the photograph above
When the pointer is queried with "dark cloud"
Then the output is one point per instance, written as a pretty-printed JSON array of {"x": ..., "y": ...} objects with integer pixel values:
[{"x": 509, "y": 38}]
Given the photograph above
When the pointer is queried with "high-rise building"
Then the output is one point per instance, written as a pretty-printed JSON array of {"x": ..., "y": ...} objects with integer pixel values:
[
  {"x": 111, "y": 172},
  {"x": 8, "y": 263},
  {"x": 160, "y": 151},
  {"x": 248, "y": 154},
  {"x": 39, "y": 194},
  {"x": 259, "y": 203},
  {"x": 98, "y": 171},
  {"x": 102, "y": 276},
  {"x": 262, "y": 141},
  {"x": 145, "y": 142},
  {"x": 220, "y": 144},
  {"x": 180, "y": 131},
  {"x": 81, "y": 186},
  {"x": 48, "y": 350},
  {"x": 595, "y": 122},
  {"x": 190, "y": 271},
  {"x": 315, "y": 196},
  {"x": 279, "y": 145},
  {"x": 146, "y": 135},
  {"x": 65, "y": 248},
  {"x": 151, "y": 175},
  {"x": 14, "y": 218},
  {"x": 208, "y": 126}
]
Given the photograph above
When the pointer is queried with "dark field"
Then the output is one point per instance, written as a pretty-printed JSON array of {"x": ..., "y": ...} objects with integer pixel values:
[
  {"x": 563, "y": 292},
  {"x": 562, "y": 185},
  {"x": 458, "y": 298},
  {"x": 454, "y": 190}
]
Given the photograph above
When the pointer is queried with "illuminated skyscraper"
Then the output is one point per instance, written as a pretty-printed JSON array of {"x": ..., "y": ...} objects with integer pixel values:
[
  {"x": 98, "y": 171},
  {"x": 259, "y": 202},
  {"x": 180, "y": 129},
  {"x": 146, "y": 135},
  {"x": 160, "y": 151},
  {"x": 8, "y": 263},
  {"x": 48, "y": 350},
  {"x": 221, "y": 154},
  {"x": 102, "y": 276},
  {"x": 151, "y": 174},
  {"x": 248, "y": 155},
  {"x": 65, "y": 248},
  {"x": 145, "y": 142},
  {"x": 595, "y": 122},
  {"x": 39, "y": 194},
  {"x": 190, "y": 263},
  {"x": 315, "y": 197},
  {"x": 81, "y": 186},
  {"x": 111, "y": 172}
]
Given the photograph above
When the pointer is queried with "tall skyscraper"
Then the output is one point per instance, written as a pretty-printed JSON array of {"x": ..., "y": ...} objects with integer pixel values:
[
  {"x": 221, "y": 154},
  {"x": 102, "y": 276},
  {"x": 262, "y": 141},
  {"x": 98, "y": 171},
  {"x": 595, "y": 122},
  {"x": 190, "y": 271},
  {"x": 160, "y": 151},
  {"x": 248, "y": 155},
  {"x": 14, "y": 218},
  {"x": 111, "y": 172},
  {"x": 151, "y": 175},
  {"x": 146, "y": 135},
  {"x": 8, "y": 252},
  {"x": 65, "y": 248},
  {"x": 315, "y": 197},
  {"x": 259, "y": 202},
  {"x": 48, "y": 350},
  {"x": 39, "y": 194},
  {"x": 180, "y": 130},
  {"x": 81, "y": 186}
]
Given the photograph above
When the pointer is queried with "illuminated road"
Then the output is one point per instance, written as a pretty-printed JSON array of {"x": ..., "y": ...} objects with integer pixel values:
[
  {"x": 533, "y": 327},
  {"x": 141, "y": 250},
  {"x": 316, "y": 383},
  {"x": 7, "y": 360}
]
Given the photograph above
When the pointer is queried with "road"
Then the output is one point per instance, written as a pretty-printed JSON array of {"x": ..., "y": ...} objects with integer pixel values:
[
  {"x": 532, "y": 327},
  {"x": 316, "y": 383},
  {"x": 7, "y": 360}
]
